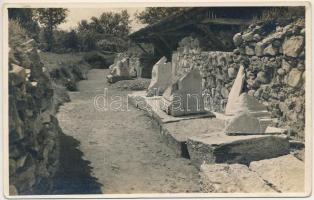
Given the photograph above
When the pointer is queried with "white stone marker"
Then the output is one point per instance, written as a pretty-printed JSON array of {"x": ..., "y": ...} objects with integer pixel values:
[
  {"x": 184, "y": 96},
  {"x": 235, "y": 92},
  {"x": 161, "y": 78}
]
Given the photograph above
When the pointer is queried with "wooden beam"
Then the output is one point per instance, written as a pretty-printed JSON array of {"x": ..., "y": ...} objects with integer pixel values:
[
  {"x": 140, "y": 46},
  {"x": 166, "y": 43},
  {"x": 159, "y": 49}
]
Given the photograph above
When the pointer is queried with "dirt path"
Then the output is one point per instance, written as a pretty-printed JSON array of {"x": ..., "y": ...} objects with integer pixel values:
[{"x": 125, "y": 151}]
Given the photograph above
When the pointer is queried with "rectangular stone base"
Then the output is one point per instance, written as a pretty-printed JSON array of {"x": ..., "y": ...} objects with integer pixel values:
[
  {"x": 217, "y": 147},
  {"x": 201, "y": 137},
  {"x": 173, "y": 128},
  {"x": 151, "y": 106}
]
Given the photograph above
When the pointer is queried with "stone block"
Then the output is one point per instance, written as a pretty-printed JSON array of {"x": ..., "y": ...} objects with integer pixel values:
[
  {"x": 161, "y": 78},
  {"x": 249, "y": 103},
  {"x": 293, "y": 46},
  {"x": 294, "y": 78},
  {"x": 275, "y": 130},
  {"x": 217, "y": 147},
  {"x": 234, "y": 178},
  {"x": 231, "y": 72},
  {"x": 184, "y": 97},
  {"x": 262, "y": 77},
  {"x": 285, "y": 173},
  {"x": 17, "y": 74},
  {"x": 249, "y": 51},
  {"x": 237, "y": 39},
  {"x": 248, "y": 36},
  {"x": 259, "y": 49},
  {"x": 244, "y": 123},
  {"x": 270, "y": 50},
  {"x": 119, "y": 71}
]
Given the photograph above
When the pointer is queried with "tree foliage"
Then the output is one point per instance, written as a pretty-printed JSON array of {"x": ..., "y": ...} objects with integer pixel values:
[
  {"x": 49, "y": 19},
  {"x": 109, "y": 26},
  {"x": 153, "y": 14},
  {"x": 25, "y": 17}
]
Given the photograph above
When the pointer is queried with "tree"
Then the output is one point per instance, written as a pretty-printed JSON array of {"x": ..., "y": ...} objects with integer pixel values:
[
  {"x": 101, "y": 32},
  {"x": 153, "y": 14},
  {"x": 71, "y": 40},
  {"x": 25, "y": 18},
  {"x": 49, "y": 19}
]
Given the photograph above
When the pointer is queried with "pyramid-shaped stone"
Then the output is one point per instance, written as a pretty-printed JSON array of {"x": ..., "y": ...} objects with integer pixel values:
[{"x": 235, "y": 92}]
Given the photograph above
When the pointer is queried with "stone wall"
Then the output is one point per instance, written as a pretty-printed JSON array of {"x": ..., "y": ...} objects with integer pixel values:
[
  {"x": 33, "y": 129},
  {"x": 273, "y": 56},
  {"x": 217, "y": 69},
  {"x": 34, "y": 97}
]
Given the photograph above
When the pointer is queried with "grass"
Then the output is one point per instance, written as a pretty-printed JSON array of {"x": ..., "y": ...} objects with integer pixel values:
[{"x": 54, "y": 61}]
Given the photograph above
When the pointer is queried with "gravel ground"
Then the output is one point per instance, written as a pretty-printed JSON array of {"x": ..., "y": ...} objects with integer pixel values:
[{"x": 124, "y": 152}]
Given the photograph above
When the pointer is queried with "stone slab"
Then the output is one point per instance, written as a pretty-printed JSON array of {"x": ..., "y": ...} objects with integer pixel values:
[
  {"x": 234, "y": 178},
  {"x": 201, "y": 137},
  {"x": 244, "y": 124},
  {"x": 184, "y": 95},
  {"x": 176, "y": 134},
  {"x": 275, "y": 130},
  {"x": 285, "y": 173},
  {"x": 175, "y": 130},
  {"x": 151, "y": 106},
  {"x": 217, "y": 147}
]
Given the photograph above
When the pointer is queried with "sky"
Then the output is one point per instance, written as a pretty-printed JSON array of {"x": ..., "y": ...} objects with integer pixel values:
[{"x": 75, "y": 15}]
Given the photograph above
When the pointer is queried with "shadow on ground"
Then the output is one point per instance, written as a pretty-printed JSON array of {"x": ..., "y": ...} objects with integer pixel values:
[{"x": 74, "y": 174}]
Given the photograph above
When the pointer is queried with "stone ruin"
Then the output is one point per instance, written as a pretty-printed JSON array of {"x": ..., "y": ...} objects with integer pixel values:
[
  {"x": 246, "y": 132},
  {"x": 184, "y": 95},
  {"x": 119, "y": 71},
  {"x": 161, "y": 78},
  {"x": 123, "y": 68},
  {"x": 249, "y": 115}
]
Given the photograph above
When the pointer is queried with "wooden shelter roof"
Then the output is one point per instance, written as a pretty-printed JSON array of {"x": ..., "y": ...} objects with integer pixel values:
[{"x": 230, "y": 16}]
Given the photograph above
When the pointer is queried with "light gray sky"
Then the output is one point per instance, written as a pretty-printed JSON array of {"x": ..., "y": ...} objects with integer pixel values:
[{"x": 75, "y": 15}]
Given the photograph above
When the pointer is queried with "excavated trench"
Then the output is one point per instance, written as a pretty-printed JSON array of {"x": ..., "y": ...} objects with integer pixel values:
[{"x": 122, "y": 150}]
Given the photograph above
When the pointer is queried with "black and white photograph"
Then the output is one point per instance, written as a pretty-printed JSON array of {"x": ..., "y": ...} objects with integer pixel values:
[{"x": 157, "y": 99}]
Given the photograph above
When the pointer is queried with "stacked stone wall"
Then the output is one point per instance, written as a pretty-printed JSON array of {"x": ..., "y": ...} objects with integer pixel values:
[
  {"x": 273, "y": 55},
  {"x": 33, "y": 130},
  {"x": 34, "y": 133}
]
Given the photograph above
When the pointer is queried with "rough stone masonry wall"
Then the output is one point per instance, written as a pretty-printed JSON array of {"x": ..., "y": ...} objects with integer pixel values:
[
  {"x": 217, "y": 70},
  {"x": 34, "y": 132},
  {"x": 33, "y": 129},
  {"x": 273, "y": 55}
]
